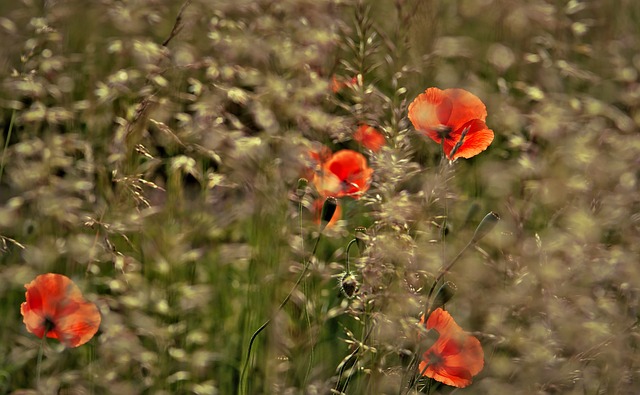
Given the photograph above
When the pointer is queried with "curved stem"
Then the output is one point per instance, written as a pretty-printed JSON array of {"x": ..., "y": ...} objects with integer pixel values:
[
  {"x": 348, "y": 248},
  {"x": 444, "y": 271}
]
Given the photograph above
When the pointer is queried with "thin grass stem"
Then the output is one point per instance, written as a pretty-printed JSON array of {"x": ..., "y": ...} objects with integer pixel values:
[
  {"x": 306, "y": 310},
  {"x": 6, "y": 143},
  {"x": 284, "y": 302},
  {"x": 347, "y": 268}
]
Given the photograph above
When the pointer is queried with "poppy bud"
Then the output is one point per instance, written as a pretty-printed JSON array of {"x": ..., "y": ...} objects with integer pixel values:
[
  {"x": 444, "y": 294},
  {"x": 361, "y": 238},
  {"x": 349, "y": 285},
  {"x": 302, "y": 187},
  {"x": 486, "y": 225},
  {"x": 328, "y": 209}
]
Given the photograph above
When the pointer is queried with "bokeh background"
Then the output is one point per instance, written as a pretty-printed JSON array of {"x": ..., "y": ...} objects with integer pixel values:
[{"x": 155, "y": 162}]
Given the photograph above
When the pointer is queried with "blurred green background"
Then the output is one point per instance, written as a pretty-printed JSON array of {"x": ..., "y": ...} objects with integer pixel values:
[{"x": 162, "y": 178}]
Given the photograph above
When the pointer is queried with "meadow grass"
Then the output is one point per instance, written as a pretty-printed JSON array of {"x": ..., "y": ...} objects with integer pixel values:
[{"x": 151, "y": 151}]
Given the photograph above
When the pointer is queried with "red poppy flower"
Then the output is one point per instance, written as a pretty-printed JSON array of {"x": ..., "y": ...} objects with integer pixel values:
[
  {"x": 55, "y": 306},
  {"x": 317, "y": 213},
  {"x": 455, "y": 357},
  {"x": 345, "y": 174},
  {"x": 448, "y": 114},
  {"x": 369, "y": 137}
]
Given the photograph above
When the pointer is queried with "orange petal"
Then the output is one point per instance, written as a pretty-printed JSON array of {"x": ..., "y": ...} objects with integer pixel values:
[
  {"x": 473, "y": 355},
  {"x": 463, "y": 355},
  {"x": 466, "y": 106},
  {"x": 478, "y": 138},
  {"x": 438, "y": 113},
  {"x": 458, "y": 359},
  {"x": 369, "y": 137},
  {"x": 442, "y": 322},
  {"x": 328, "y": 184},
  {"x": 443, "y": 367},
  {"x": 458, "y": 355},
  {"x": 345, "y": 163},
  {"x": 43, "y": 299},
  {"x": 430, "y": 110},
  {"x": 33, "y": 319},
  {"x": 55, "y": 298},
  {"x": 79, "y": 327},
  {"x": 345, "y": 174},
  {"x": 457, "y": 377}
]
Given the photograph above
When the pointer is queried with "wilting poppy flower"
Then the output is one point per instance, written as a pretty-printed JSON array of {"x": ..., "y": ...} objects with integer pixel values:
[
  {"x": 455, "y": 357},
  {"x": 449, "y": 114},
  {"x": 345, "y": 174},
  {"x": 317, "y": 213},
  {"x": 55, "y": 306},
  {"x": 369, "y": 137}
]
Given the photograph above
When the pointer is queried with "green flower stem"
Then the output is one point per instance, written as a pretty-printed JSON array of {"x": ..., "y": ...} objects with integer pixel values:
[
  {"x": 444, "y": 271},
  {"x": 40, "y": 353},
  {"x": 352, "y": 242}
]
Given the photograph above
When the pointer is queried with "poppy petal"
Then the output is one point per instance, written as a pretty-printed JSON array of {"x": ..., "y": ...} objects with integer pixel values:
[
  {"x": 463, "y": 351},
  {"x": 454, "y": 376},
  {"x": 473, "y": 355},
  {"x": 54, "y": 304},
  {"x": 429, "y": 111},
  {"x": 33, "y": 318},
  {"x": 345, "y": 174},
  {"x": 442, "y": 321},
  {"x": 43, "y": 297},
  {"x": 369, "y": 137},
  {"x": 477, "y": 139},
  {"x": 466, "y": 106},
  {"x": 455, "y": 357},
  {"x": 450, "y": 375},
  {"x": 345, "y": 163},
  {"x": 328, "y": 184},
  {"x": 79, "y": 327},
  {"x": 445, "y": 114},
  {"x": 452, "y": 346}
]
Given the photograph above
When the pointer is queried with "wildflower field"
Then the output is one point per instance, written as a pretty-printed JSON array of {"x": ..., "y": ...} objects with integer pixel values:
[{"x": 319, "y": 197}]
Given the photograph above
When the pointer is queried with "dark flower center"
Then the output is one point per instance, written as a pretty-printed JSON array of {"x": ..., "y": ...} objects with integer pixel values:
[
  {"x": 443, "y": 131},
  {"x": 49, "y": 325},
  {"x": 435, "y": 359},
  {"x": 348, "y": 184}
]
